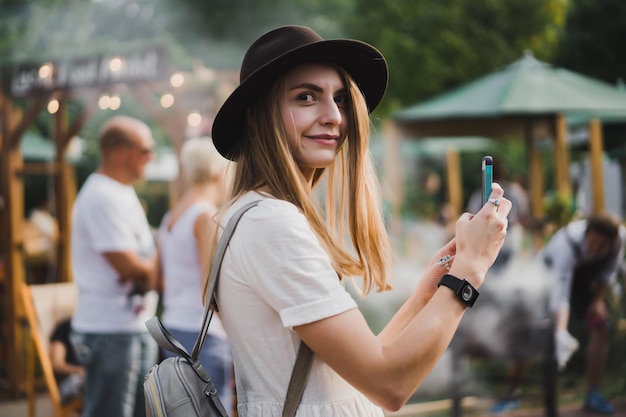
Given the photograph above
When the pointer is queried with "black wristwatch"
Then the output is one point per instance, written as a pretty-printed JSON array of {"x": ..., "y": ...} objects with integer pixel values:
[{"x": 463, "y": 289}]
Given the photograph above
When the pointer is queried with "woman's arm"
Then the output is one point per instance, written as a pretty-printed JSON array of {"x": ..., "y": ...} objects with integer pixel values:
[
  {"x": 423, "y": 293},
  {"x": 204, "y": 230},
  {"x": 390, "y": 367}
]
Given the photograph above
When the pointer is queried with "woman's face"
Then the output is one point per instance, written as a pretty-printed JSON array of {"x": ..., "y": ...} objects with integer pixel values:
[{"x": 313, "y": 111}]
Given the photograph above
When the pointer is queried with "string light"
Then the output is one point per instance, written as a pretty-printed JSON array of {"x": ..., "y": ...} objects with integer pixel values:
[
  {"x": 115, "y": 102},
  {"x": 106, "y": 102},
  {"x": 177, "y": 80},
  {"x": 167, "y": 101},
  {"x": 103, "y": 102},
  {"x": 116, "y": 64},
  {"x": 53, "y": 106},
  {"x": 45, "y": 71},
  {"x": 194, "y": 119}
]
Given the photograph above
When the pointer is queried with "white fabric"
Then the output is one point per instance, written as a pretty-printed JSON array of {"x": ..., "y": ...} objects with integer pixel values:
[
  {"x": 563, "y": 259},
  {"x": 566, "y": 345},
  {"x": 275, "y": 276},
  {"x": 183, "y": 280},
  {"x": 108, "y": 217},
  {"x": 47, "y": 225}
]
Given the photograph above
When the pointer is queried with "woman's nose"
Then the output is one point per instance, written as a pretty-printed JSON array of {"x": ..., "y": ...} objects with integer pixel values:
[{"x": 331, "y": 113}]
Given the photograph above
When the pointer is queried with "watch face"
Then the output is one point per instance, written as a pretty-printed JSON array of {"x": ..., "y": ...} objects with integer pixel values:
[{"x": 467, "y": 293}]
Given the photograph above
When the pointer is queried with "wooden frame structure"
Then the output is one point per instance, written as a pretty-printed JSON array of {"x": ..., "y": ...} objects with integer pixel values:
[
  {"x": 17, "y": 114},
  {"x": 14, "y": 124}
]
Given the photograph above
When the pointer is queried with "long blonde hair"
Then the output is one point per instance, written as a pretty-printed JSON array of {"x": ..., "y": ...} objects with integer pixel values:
[{"x": 352, "y": 196}]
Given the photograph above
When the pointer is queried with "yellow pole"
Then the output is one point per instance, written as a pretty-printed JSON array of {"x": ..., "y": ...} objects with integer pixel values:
[
  {"x": 12, "y": 191},
  {"x": 455, "y": 191},
  {"x": 393, "y": 190},
  {"x": 595, "y": 162},
  {"x": 535, "y": 178},
  {"x": 561, "y": 155}
]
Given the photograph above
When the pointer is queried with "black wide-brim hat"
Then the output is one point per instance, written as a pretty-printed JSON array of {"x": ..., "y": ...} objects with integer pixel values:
[{"x": 282, "y": 49}]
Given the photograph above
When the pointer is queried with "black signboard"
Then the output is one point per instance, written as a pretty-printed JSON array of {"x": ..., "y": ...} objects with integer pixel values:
[{"x": 31, "y": 78}]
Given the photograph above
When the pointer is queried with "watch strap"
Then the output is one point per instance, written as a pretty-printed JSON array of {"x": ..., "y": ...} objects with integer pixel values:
[{"x": 465, "y": 291}]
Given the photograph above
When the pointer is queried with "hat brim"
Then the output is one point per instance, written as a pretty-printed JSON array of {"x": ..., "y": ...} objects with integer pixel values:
[{"x": 365, "y": 64}]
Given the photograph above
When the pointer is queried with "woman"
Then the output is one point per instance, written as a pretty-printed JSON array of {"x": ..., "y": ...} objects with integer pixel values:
[
  {"x": 182, "y": 240},
  {"x": 300, "y": 111}
]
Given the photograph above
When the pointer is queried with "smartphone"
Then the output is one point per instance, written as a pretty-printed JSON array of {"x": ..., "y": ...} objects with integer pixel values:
[{"x": 487, "y": 177}]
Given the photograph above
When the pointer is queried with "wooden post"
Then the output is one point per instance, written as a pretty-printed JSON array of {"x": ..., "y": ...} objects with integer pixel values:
[
  {"x": 455, "y": 190},
  {"x": 595, "y": 162},
  {"x": 11, "y": 162},
  {"x": 62, "y": 209},
  {"x": 561, "y": 155},
  {"x": 536, "y": 184},
  {"x": 14, "y": 124},
  {"x": 393, "y": 187}
]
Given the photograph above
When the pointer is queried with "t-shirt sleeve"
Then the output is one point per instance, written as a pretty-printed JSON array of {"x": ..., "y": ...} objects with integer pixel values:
[{"x": 288, "y": 266}]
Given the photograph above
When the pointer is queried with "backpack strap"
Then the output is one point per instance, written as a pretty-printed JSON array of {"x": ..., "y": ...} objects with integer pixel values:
[
  {"x": 165, "y": 339},
  {"x": 298, "y": 380},
  {"x": 214, "y": 273},
  {"x": 301, "y": 368}
]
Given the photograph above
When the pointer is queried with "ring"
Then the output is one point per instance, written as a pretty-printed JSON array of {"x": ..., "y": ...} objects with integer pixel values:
[
  {"x": 495, "y": 201},
  {"x": 445, "y": 261}
]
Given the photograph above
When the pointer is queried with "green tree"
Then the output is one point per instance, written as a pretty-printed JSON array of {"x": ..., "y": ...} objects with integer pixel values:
[
  {"x": 433, "y": 46},
  {"x": 591, "y": 42},
  {"x": 45, "y": 29}
]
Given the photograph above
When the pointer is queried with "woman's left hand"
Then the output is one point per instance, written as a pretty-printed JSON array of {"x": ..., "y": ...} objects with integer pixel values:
[{"x": 437, "y": 266}]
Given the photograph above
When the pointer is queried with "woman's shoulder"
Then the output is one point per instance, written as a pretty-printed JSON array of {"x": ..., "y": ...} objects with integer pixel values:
[
  {"x": 267, "y": 205},
  {"x": 270, "y": 214}
]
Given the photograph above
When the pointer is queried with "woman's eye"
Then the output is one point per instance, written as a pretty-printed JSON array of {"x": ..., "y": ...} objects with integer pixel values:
[
  {"x": 305, "y": 97},
  {"x": 341, "y": 100}
]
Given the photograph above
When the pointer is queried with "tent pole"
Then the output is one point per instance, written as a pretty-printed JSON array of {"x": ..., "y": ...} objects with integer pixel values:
[
  {"x": 536, "y": 183},
  {"x": 455, "y": 190},
  {"x": 393, "y": 179},
  {"x": 595, "y": 162},
  {"x": 561, "y": 155}
]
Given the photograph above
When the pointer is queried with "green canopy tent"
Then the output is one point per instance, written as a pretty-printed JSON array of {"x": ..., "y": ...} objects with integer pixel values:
[
  {"x": 528, "y": 99},
  {"x": 37, "y": 148},
  {"x": 526, "y": 87}
]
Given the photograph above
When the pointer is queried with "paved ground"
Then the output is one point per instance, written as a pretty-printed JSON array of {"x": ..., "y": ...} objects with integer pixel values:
[
  {"x": 19, "y": 408},
  {"x": 471, "y": 407}
]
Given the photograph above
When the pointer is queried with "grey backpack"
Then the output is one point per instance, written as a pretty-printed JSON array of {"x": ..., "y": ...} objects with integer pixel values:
[{"x": 178, "y": 386}]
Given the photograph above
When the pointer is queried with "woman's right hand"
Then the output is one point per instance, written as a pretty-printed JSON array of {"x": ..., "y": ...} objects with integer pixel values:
[{"x": 479, "y": 238}]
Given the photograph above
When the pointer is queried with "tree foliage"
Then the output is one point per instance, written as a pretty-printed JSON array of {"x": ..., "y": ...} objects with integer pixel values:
[
  {"x": 591, "y": 42},
  {"x": 432, "y": 46},
  {"x": 36, "y": 31}
]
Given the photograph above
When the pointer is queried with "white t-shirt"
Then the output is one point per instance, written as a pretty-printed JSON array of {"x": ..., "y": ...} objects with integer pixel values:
[
  {"x": 183, "y": 280},
  {"x": 276, "y": 275},
  {"x": 108, "y": 217}
]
